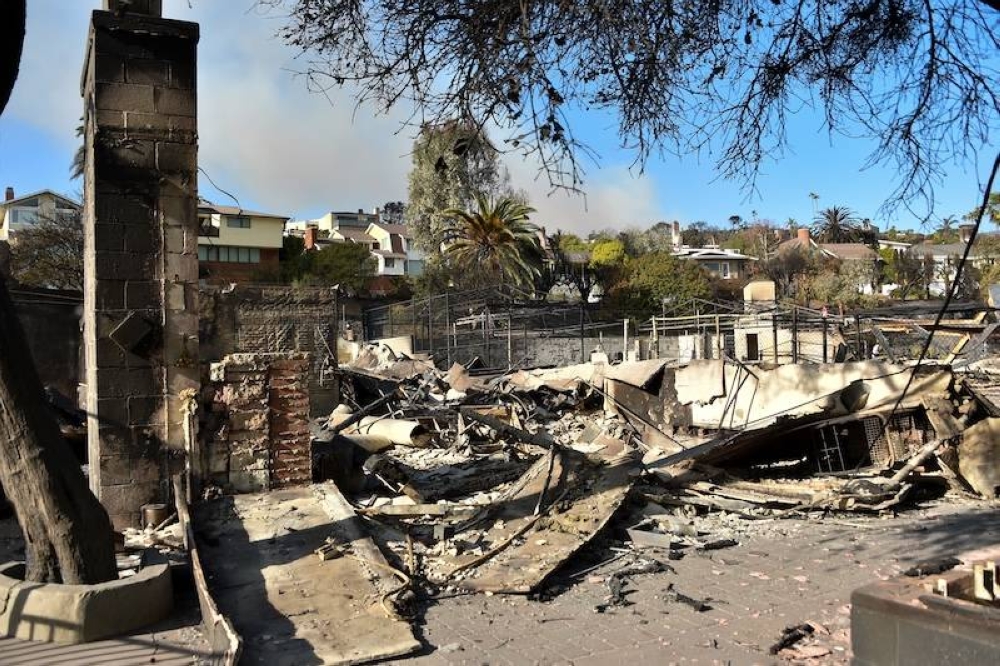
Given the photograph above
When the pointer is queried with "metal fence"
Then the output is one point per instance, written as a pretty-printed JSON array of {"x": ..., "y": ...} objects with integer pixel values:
[
  {"x": 789, "y": 333},
  {"x": 500, "y": 326}
]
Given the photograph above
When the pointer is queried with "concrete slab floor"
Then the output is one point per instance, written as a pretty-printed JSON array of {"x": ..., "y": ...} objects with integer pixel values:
[{"x": 782, "y": 573}]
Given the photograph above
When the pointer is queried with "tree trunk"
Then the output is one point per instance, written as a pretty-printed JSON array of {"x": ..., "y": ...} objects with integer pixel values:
[{"x": 67, "y": 533}]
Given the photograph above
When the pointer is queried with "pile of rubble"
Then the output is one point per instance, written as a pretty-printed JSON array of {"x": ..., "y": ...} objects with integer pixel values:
[{"x": 491, "y": 483}]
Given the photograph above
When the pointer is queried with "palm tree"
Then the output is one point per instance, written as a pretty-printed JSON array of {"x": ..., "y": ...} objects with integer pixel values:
[
  {"x": 497, "y": 239},
  {"x": 836, "y": 224}
]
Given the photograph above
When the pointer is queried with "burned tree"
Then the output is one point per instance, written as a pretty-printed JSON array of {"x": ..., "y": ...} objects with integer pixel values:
[
  {"x": 67, "y": 533},
  {"x": 917, "y": 77}
]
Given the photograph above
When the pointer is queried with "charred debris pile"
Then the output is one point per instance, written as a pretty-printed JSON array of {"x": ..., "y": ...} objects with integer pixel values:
[{"x": 490, "y": 483}]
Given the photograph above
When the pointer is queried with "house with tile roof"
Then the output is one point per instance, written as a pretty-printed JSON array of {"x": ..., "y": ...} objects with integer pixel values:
[{"x": 863, "y": 256}]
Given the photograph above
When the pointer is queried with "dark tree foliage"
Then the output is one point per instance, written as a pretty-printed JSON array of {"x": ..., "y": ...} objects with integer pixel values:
[
  {"x": 49, "y": 253},
  {"x": 393, "y": 212},
  {"x": 917, "y": 76}
]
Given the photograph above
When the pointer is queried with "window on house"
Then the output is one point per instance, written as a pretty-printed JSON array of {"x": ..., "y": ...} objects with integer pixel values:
[
  {"x": 230, "y": 255},
  {"x": 724, "y": 270},
  {"x": 390, "y": 263},
  {"x": 23, "y": 216},
  {"x": 238, "y": 222},
  {"x": 753, "y": 347}
]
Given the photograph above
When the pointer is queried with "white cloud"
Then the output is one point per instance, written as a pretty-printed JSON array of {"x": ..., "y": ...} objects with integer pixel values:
[
  {"x": 615, "y": 198},
  {"x": 265, "y": 138}
]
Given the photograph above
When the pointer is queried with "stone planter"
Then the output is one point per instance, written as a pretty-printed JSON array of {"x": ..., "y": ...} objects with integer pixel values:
[{"x": 71, "y": 614}]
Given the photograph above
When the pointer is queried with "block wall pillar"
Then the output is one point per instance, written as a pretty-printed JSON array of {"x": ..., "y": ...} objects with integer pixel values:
[{"x": 141, "y": 253}]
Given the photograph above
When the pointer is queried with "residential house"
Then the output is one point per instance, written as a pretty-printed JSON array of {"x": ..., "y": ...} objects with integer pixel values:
[
  {"x": 18, "y": 213},
  {"x": 394, "y": 250},
  {"x": 336, "y": 220},
  {"x": 946, "y": 257},
  {"x": 863, "y": 258},
  {"x": 390, "y": 244},
  {"x": 237, "y": 245},
  {"x": 723, "y": 263}
]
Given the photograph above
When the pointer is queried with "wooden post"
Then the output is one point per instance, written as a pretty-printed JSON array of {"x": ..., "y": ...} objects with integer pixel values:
[
  {"x": 857, "y": 336},
  {"x": 825, "y": 355},
  {"x": 625, "y": 341},
  {"x": 774, "y": 333},
  {"x": 510, "y": 339},
  {"x": 718, "y": 337},
  {"x": 447, "y": 328},
  {"x": 795, "y": 334}
]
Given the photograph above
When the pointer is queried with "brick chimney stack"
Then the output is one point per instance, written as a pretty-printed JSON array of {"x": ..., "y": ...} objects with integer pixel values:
[
  {"x": 965, "y": 231},
  {"x": 803, "y": 235},
  {"x": 310, "y": 238},
  {"x": 9, "y": 194}
]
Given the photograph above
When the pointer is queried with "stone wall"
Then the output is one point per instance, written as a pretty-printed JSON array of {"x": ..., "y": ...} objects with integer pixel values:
[
  {"x": 256, "y": 422},
  {"x": 275, "y": 319}
]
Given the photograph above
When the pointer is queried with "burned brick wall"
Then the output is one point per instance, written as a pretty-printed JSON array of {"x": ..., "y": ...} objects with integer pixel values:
[
  {"x": 275, "y": 319},
  {"x": 256, "y": 422}
]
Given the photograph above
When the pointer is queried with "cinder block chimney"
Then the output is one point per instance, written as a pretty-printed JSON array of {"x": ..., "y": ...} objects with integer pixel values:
[
  {"x": 148, "y": 7},
  {"x": 310, "y": 238},
  {"x": 9, "y": 194}
]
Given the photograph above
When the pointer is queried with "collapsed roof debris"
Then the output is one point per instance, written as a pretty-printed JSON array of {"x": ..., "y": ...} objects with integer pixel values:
[
  {"x": 458, "y": 481},
  {"x": 706, "y": 434}
]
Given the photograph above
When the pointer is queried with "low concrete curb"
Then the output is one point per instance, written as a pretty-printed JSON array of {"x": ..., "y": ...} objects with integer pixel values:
[{"x": 71, "y": 614}]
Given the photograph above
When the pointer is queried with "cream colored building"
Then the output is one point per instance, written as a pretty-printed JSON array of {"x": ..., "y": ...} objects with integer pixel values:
[
  {"x": 18, "y": 213},
  {"x": 335, "y": 220},
  {"x": 237, "y": 245}
]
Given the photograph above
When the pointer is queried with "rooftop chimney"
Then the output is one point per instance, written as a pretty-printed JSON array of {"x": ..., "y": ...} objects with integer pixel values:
[
  {"x": 965, "y": 231},
  {"x": 803, "y": 235},
  {"x": 147, "y": 7},
  {"x": 675, "y": 235},
  {"x": 310, "y": 238},
  {"x": 9, "y": 194}
]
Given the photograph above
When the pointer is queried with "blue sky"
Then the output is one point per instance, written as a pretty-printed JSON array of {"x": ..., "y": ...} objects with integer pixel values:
[{"x": 276, "y": 146}]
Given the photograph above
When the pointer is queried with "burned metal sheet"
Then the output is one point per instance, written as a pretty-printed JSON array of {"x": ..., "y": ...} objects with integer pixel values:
[
  {"x": 522, "y": 547},
  {"x": 756, "y": 398},
  {"x": 640, "y": 374}
]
